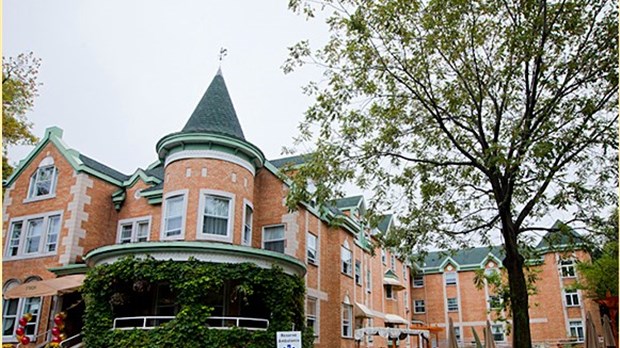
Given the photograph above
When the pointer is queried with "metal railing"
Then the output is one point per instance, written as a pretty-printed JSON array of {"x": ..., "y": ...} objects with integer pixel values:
[
  {"x": 220, "y": 323},
  {"x": 71, "y": 341}
]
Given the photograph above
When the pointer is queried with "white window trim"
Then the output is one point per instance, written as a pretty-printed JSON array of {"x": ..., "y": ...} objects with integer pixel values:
[
  {"x": 360, "y": 277},
  {"x": 22, "y": 240},
  {"x": 350, "y": 274},
  {"x": 571, "y": 294},
  {"x": 572, "y": 265},
  {"x": 503, "y": 332},
  {"x": 448, "y": 304},
  {"x": 413, "y": 281},
  {"x": 275, "y": 240},
  {"x": 393, "y": 263},
  {"x": 231, "y": 216},
  {"x": 247, "y": 204},
  {"x": 415, "y": 308},
  {"x": 317, "y": 325},
  {"x": 316, "y": 249},
  {"x": 349, "y": 310},
  {"x": 162, "y": 229},
  {"x": 53, "y": 185},
  {"x": 20, "y": 313},
  {"x": 134, "y": 231},
  {"x": 581, "y": 324},
  {"x": 445, "y": 278}
]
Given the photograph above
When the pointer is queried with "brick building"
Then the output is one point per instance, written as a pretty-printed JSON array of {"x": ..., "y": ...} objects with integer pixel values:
[
  {"x": 209, "y": 195},
  {"x": 443, "y": 287}
]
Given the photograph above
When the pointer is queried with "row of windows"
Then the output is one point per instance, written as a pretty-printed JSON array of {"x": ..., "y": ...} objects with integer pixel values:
[{"x": 34, "y": 235}]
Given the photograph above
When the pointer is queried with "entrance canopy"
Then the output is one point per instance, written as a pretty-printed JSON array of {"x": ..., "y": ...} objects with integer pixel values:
[
  {"x": 49, "y": 287},
  {"x": 388, "y": 332}
]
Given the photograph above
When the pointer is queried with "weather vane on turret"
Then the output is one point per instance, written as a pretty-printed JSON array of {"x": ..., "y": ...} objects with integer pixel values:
[{"x": 223, "y": 53}]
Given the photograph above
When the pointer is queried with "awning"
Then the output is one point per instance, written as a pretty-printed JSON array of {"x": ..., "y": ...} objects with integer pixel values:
[
  {"x": 388, "y": 332},
  {"x": 396, "y": 285},
  {"x": 362, "y": 311},
  {"x": 395, "y": 319},
  {"x": 48, "y": 287}
]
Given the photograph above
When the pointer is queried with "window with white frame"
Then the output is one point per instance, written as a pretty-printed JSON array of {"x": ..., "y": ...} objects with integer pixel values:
[
  {"x": 43, "y": 181},
  {"x": 495, "y": 302},
  {"x": 453, "y": 304},
  {"x": 346, "y": 261},
  {"x": 14, "y": 309},
  {"x": 404, "y": 272},
  {"x": 247, "y": 225},
  {"x": 457, "y": 333},
  {"x": 134, "y": 230},
  {"x": 418, "y": 281},
  {"x": 312, "y": 319},
  {"x": 311, "y": 247},
  {"x": 383, "y": 257},
  {"x": 498, "y": 333},
  {"x": 575, "y": 328},
  {"x": 567, "y": 268},
  {"x": 33, "y": 235},
  {"x": 273, "y": 238},
  {"x": 174, "y": 216},
  {"x": 450, "y": 278},
  {"x": 406, "y": 300},
  {"x": 419, "y": 306},
  {"x": 571, "y": 297},
  {"x": 368, "y": 280},
  {"x": 347, "y": 320},
  {"x": 358, "y": 272},
  {"x": 216, "y": 215},
  {"x": 393, "y": 262}
]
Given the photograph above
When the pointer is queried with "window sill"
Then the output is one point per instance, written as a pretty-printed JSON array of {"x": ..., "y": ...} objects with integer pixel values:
[
  {"x": 214, "y": 237},
  {"x": 39, "y": 198},
  {"x": 315, "y": 264},
  {"x": 348, "y": 275},
  {"x": 26, "y": 257}
]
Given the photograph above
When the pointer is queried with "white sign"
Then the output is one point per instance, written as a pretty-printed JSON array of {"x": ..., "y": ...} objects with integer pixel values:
[{"x": 288, "y": 339}]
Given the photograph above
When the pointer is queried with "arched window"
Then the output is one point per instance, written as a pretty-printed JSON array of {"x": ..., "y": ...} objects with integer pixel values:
[
  {"x": 43, "y": 181},
  {"x": 14, "y": 309}
]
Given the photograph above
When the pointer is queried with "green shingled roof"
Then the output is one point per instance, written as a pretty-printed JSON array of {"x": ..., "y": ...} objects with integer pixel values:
[
  {"x": 349, "y": 202},
  {"x": 562, "y": 236},
  {"x": 102, "y": 168},
  {"x": 385, "y": 223},
  {"x": 291, "y": 160},
  {"x": 472, "y": 256},
  {"x": 215, "y": 112}
]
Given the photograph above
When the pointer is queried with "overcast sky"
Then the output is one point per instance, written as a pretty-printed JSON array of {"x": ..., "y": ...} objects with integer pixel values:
[{"x": 119, "y": 75}]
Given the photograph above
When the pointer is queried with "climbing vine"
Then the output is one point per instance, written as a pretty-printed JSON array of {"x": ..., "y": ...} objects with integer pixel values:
[{"x": 191, "y": 281}]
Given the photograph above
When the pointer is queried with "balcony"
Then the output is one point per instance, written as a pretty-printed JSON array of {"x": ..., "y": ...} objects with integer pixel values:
[{"x": 219, "y": 323}]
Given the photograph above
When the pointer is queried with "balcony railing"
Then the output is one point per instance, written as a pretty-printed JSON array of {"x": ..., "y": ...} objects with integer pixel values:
[{"x": 220, "y": 323}]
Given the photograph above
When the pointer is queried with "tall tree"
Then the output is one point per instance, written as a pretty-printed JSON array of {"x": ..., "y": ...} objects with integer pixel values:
[
  {"x": 465, "y": 117},
  {"x": 19, "y": 88}
]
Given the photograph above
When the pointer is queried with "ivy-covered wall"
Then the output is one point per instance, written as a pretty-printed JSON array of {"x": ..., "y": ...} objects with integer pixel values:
[{"x": 192, "y": 281}]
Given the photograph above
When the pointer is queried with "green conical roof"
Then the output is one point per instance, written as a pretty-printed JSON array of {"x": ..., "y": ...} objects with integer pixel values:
[{"x": 215, "y": 112}]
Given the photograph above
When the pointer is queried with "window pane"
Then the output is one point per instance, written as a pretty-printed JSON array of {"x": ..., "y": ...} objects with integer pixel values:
[
  {"x": 15, "y": 237},
  {"x": 274, "y": 233},
  {"x": 174, "y": 215},
  {"x": 216, "y": 206},
  {"x": 53, "y": 228},
  {"x": 247, "y": 228},
  {"x": 143, "y": 231},
  {"x": 33, "y": 239},
  {"x": 43, "y": 181}
]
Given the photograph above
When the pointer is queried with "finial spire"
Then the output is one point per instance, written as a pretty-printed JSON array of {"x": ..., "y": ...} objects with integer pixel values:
[{"x": 223, "y": 53}]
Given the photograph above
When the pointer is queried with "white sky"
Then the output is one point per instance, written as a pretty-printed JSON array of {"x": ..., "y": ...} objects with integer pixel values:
[{"x": 119, "y": 75}]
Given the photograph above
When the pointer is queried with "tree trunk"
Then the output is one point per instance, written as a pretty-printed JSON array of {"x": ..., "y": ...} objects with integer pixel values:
[{"x": 519, "y": 302}]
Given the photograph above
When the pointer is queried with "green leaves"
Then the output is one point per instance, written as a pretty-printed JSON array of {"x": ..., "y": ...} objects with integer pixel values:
[
  {"x": 19, "y": 88},
  {"x": 192, "y": 282}
]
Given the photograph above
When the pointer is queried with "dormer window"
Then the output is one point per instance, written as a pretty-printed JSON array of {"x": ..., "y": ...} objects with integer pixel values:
[{"x": 43, "y": 181}]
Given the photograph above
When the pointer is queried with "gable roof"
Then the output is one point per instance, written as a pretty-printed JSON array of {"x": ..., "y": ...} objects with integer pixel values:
[
  {"x": 290, "y": 160},
  {"x": 385, "y": 223},
  {"x": 79, "y": 162},
  {"x": 215, "y": 112},
  {"x": 349, "y": 202},
  {"x": 434, "y": 260},
  {"x": 102, "y": 168},
  {"x": 560, "y": 237}
]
